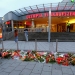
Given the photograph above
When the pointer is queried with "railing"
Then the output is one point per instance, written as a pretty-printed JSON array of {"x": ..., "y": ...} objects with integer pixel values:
[
  {"x": 20, "y": 30},
  {"x": 8, "y": 35}
]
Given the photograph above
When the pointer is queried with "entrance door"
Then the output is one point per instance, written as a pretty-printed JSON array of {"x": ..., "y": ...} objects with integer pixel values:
[{"x": 61, "y": 28}]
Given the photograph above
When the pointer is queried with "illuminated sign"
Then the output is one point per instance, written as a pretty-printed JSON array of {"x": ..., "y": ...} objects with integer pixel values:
[
  {"x": 53, "y": 14},
  {"x": 28, "y": 23},
  {"x": 8, "y": 22}
]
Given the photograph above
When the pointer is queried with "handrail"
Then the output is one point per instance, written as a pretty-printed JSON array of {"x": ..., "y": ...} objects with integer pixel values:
[{"x": 33, "y": 29}]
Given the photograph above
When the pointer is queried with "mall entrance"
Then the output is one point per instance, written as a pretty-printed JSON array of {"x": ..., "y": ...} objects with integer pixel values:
[
  {"x": 58, "y": 24},
  {"x": 61, "y": 27}
]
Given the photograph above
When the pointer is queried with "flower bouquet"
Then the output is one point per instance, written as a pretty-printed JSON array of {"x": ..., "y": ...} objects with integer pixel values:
[
  {"x": 6, "y": 54},
  {"x": 50, "y": 58}
]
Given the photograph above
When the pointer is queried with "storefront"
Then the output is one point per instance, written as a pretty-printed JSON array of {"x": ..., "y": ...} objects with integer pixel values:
[{"x": 36, "y": 19}]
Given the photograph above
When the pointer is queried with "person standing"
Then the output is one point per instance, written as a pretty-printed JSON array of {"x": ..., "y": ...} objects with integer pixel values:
[
  {"x": 16, "y": 35},
  {"x": 68, "y": 26},
  {"x": 26, "y": 34}
]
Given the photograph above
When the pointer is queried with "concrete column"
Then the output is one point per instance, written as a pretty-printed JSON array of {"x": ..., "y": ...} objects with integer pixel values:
[
  {"x": 32, "y": 24},
  {"x": 12, "y": 25}
]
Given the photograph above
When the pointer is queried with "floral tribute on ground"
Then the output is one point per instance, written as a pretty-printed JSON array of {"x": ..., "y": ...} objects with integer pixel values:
[{"x": 44, "y": 57}]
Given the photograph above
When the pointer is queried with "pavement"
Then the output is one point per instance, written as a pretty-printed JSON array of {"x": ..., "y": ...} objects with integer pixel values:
[
  {"x": 18, "y": 67},
  {"x": 40, "y": 46}
]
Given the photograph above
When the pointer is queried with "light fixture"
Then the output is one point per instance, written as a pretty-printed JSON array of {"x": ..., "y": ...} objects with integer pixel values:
[
  {"x": 25, "y": 23},
  {"x": 32, "y": 19},
  {"x": 67, "y": 17}
]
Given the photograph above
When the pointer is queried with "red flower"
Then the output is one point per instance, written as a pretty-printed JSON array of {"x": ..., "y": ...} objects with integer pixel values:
[
  {"x": 47, "y": 60},
  {"x": 59, "y": 60},
  {"x": 66, "y": 63}
]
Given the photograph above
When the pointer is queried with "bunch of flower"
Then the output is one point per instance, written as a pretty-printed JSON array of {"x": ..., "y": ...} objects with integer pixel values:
[
  {"x": 64, "y": 60},
  {"x": 50, "y": 58},
  {"x": 72, "y": 61},
  {"x": 6, "y": 54},
  {"x": 15, "y": 53},
  {"x": 29, "y": 56}
]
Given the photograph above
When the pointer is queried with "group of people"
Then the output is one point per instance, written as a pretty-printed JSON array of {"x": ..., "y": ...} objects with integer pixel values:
[{"x": 16, "y": 34}]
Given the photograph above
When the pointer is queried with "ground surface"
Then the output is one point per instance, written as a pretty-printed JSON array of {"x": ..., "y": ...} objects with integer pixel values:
[{"x": 18, "y": 67}]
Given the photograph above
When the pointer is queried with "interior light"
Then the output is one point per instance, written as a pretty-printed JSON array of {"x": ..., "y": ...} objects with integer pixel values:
[
  {"x": 32, "y": 19},
  {"x": 25, "y": 23}
]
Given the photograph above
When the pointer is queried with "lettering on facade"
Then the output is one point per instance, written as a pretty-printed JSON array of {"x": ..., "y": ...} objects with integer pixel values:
[{"x": 54, "y": 14}]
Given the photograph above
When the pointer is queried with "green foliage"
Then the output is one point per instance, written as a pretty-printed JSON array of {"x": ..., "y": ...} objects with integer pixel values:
[
  {"x": 41, "y": 59},
  {"x": 7, "y": 56},
  {"x": 72, "y": 0},
  {"x": 52, "y": 60},
  {"x": 33, "y": 52},
  {"x": 73, "y": 62}
]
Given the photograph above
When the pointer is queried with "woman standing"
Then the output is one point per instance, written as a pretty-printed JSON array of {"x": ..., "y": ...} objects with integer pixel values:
[{"x": 16, "y": 35}]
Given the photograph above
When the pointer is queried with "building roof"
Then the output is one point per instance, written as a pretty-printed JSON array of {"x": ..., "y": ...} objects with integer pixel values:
[{"x": 61, "y": 6}]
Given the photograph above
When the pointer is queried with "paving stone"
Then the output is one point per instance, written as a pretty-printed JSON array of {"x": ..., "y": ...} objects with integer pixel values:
[
  {"x": 47, "y": 68},
  {"x": 39, "y": 65},
  {"x": 20, "y": 68},
  {"x": 32, "y": 63},
  {"x": 73, "y": 68},
  {"x": 65, "y": 66},
  {"x": 29, "y": 66},
  {"x": 49, "y": 65},
  {"x": 45, "y": 73},
  {"x": 26, "y": 72},
  {"x": 67, "y": 71},
  {"x": 74, "y": 72},
  {"x": 1, "y": 69},
  {"x": 15, "y": 73},
  {"x": 56, "y": 66},
  {"x": 15, "y": 64},
  {"x": 36, "y": 70},
  {"x": 24, "y": 63},
  {"x": 5, "y": 65},
  {"x": 68, "y": 74},
  {"x": 4, "y": 73},
  {"x": 56, "y": 72},
  {"x": 11, "y": 61},
  {"x": 9, "y": 69},
  {"x": 34, "y": 74}
]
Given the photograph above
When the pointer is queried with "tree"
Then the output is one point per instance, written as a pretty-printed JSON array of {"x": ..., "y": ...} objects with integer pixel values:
[{"x": 72, "y": 0}]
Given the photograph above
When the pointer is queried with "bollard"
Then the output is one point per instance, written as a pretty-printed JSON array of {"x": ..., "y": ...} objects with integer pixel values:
[
  {"x": 36, "y": 44},
  {"x": 49, "y": 46},
  {"x": 2, "y": 44},
  {"x": 17, "y": 45},
  {"x": 56, "y": 45}
]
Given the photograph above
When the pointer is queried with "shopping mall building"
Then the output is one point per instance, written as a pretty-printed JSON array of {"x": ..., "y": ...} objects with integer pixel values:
[{"x": 36, "y": 18}]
